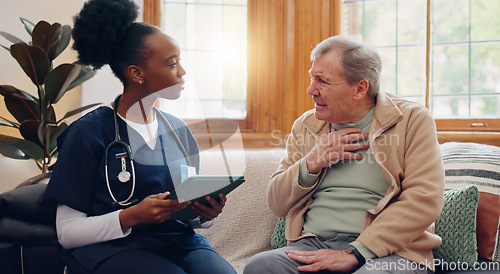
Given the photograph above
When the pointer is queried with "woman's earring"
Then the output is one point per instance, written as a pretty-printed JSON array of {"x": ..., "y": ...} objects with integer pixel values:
[{"x": 140, "y": 82}]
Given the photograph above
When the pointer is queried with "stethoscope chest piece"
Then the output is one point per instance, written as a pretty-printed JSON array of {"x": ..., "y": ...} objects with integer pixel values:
[{"x": 124, "y": 176}]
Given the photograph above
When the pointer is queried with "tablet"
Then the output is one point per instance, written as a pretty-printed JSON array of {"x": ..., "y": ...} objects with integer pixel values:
[{"x": 196, "y": 187}]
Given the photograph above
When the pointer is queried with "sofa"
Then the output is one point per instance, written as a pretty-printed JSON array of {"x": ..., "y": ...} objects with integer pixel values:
[{"x": 247, "y": 226}]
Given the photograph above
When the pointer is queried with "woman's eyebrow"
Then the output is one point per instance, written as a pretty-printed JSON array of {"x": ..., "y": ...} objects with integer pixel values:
[{"x": 173, "y": 56}]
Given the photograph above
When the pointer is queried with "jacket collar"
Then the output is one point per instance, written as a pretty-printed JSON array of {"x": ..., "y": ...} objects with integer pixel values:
[{"x": 386, "y": 115}]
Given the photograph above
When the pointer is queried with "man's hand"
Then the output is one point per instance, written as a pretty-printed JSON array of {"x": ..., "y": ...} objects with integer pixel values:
[
  {"x": 336, "y": 146},
  {"x": 323, "y": 259}
]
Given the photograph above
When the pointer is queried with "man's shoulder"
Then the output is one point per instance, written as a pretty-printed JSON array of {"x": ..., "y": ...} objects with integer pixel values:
[
  {"x": 404, "y": 103},
  {"x": 407, "y": 106},
  {"x": 308, "y": 120}
]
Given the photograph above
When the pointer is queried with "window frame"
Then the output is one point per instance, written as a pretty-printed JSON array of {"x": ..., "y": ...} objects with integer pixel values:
[{"x": 281, "y": 34}]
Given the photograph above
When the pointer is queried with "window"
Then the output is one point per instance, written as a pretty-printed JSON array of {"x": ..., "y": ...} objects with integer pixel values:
[
  {"x": 281, "y": 34},
  {"x": 443, "y": 54},
  {"x": 212, "y": 35}
]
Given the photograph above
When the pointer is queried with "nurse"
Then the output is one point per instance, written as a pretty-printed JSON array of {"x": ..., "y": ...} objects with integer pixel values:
[{"x": 129, "y": 231}]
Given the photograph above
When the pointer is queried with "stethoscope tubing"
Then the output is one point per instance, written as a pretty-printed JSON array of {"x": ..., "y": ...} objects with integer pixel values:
[{"x": 119, "y": 142}]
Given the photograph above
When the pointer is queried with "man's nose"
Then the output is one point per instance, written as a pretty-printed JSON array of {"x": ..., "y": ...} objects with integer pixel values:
[{"x": 312, "y": 90}]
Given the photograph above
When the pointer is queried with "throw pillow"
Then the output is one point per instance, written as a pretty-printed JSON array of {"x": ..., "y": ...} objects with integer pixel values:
[
  {"x": 457, "y": 226},
  {"x": 278, "y": 239},
  {"x": 478, "y": 164}
]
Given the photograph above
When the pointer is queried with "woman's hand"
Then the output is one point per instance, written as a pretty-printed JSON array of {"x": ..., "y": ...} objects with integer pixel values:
[
  {"x": 154, "y": 209},
  {"x": 208, "y": 213}
]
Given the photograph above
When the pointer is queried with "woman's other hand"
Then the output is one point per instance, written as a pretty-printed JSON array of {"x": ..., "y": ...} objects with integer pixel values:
[{"x": 208, "y": 213}]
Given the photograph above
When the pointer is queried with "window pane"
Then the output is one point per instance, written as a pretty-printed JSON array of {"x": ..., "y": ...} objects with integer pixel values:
[
  {"x": 451, "y": 106},
  {"x": 205, "y": 29},
  {"x": 411, "y": 22},
  {"x": 379, "y": 24},
  {"x": 204, "y": 1},
  {"x": 175, "y": 26},
  {"x": 212, "y": 35},
  {"x": 485, "y": 67},
  {"x": 485, "y": 20},
  {"x": 450, "y": 71},
  {"x": 234, "y": 109},
  {"x": 450, "y": 20},
  {"x": 411, "y": 71},
  {"x": 397, "y": 30},
  {"x": 205, "y": 71},
  {"x": 485, "y": 106},
  {"x": 235, "y": 76},
  {"x": 388, "y": 74}
]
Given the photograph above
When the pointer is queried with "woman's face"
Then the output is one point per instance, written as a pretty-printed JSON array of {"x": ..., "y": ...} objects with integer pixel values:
[{"x": 162, "y": 70}]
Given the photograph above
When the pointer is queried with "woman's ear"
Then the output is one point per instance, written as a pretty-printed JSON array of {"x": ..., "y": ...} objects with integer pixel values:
[
  {"x": 135, "y": 74},
  {"x": 361, "y": 89}
]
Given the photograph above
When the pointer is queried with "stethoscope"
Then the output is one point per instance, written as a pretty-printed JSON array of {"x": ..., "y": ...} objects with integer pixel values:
[{"x": 124, "y": 176}]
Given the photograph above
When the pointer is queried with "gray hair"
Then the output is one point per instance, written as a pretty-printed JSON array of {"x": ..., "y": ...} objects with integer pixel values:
[{"x": 360, "y": 62}]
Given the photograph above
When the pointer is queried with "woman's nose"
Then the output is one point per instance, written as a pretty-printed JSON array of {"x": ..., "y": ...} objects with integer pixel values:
[{"x": 181, "y": 72}]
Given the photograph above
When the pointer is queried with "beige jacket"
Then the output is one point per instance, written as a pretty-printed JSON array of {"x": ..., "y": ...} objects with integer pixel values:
[{"x": 404, "y": 142}]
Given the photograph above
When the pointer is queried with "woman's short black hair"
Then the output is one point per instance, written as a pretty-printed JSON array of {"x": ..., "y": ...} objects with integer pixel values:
[{"x": 104, "y": 32}]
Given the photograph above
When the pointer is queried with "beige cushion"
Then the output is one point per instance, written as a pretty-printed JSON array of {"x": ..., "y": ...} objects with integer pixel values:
[{"x": 245, "y": 226}]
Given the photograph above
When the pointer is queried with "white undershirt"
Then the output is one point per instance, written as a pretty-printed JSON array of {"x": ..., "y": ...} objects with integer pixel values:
[
  {"x": 75, "y": 228},
  {"x": 149, "y": 132}
]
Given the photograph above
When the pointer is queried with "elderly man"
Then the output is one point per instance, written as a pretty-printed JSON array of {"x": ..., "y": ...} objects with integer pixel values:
[{"x": 362, "y": 181}]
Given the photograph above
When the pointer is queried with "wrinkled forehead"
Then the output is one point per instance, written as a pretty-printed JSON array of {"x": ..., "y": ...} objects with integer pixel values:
[{"x": 328, "y": 64}]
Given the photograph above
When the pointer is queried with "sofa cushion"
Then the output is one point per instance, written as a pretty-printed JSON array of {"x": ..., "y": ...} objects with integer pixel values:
[
  {"x": 478, "y": 164},
  {"x": 278, "y": 239},
  {"x": 246, "y": 223},
  {"x": 457, "y": 226}
]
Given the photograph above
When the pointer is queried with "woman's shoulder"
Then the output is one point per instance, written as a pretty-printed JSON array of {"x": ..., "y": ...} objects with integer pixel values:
[
  {"x": 175, "y": 122},
  {"x": 95, "y": 121},
  {"x": 98, "y": 117}
]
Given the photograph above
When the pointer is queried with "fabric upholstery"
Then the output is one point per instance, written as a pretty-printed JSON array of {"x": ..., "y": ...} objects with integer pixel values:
[
  {"x": 457, "y": 226},
  {"x": 478, "y": 164},
  {"x": 245, "y": 225}
]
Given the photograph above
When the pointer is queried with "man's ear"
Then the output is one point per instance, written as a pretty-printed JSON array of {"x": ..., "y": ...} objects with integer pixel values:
[
  {"x": 136, "y": 74},
  {"x": 361, "y": 89}
]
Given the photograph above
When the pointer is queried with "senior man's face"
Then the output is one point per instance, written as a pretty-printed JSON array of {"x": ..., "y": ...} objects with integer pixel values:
[{"x": 332, "y": 95}]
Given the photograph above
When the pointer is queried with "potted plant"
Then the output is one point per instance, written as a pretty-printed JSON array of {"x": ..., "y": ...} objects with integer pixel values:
[{"x": 34, "y": 116}]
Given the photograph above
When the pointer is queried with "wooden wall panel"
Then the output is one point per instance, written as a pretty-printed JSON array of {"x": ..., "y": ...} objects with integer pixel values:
[{"x": 281, "y": 35}]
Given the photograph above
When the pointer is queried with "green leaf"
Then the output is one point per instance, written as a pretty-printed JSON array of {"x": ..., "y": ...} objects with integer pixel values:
[
  {"x": 17, "y": 148},
  {"x": 28, "y": 25},
  {"x": 21, "y": 109},
  {"x": 29, "y": 131},
  {"x": 7, "y": 123},
  {"x": 59, "y": 80},
  {"x": 42, "y": 35},
  {"x": 33, "y": 60},
  {"x": 10, "y": 90},
  {"x": 53, "y": 137},
  {"x": 85, "y": 74},
  {"x": 11, "y": 37},
  {"x": 63, "y": 42},
  {"x": 78, "y": 110}
]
